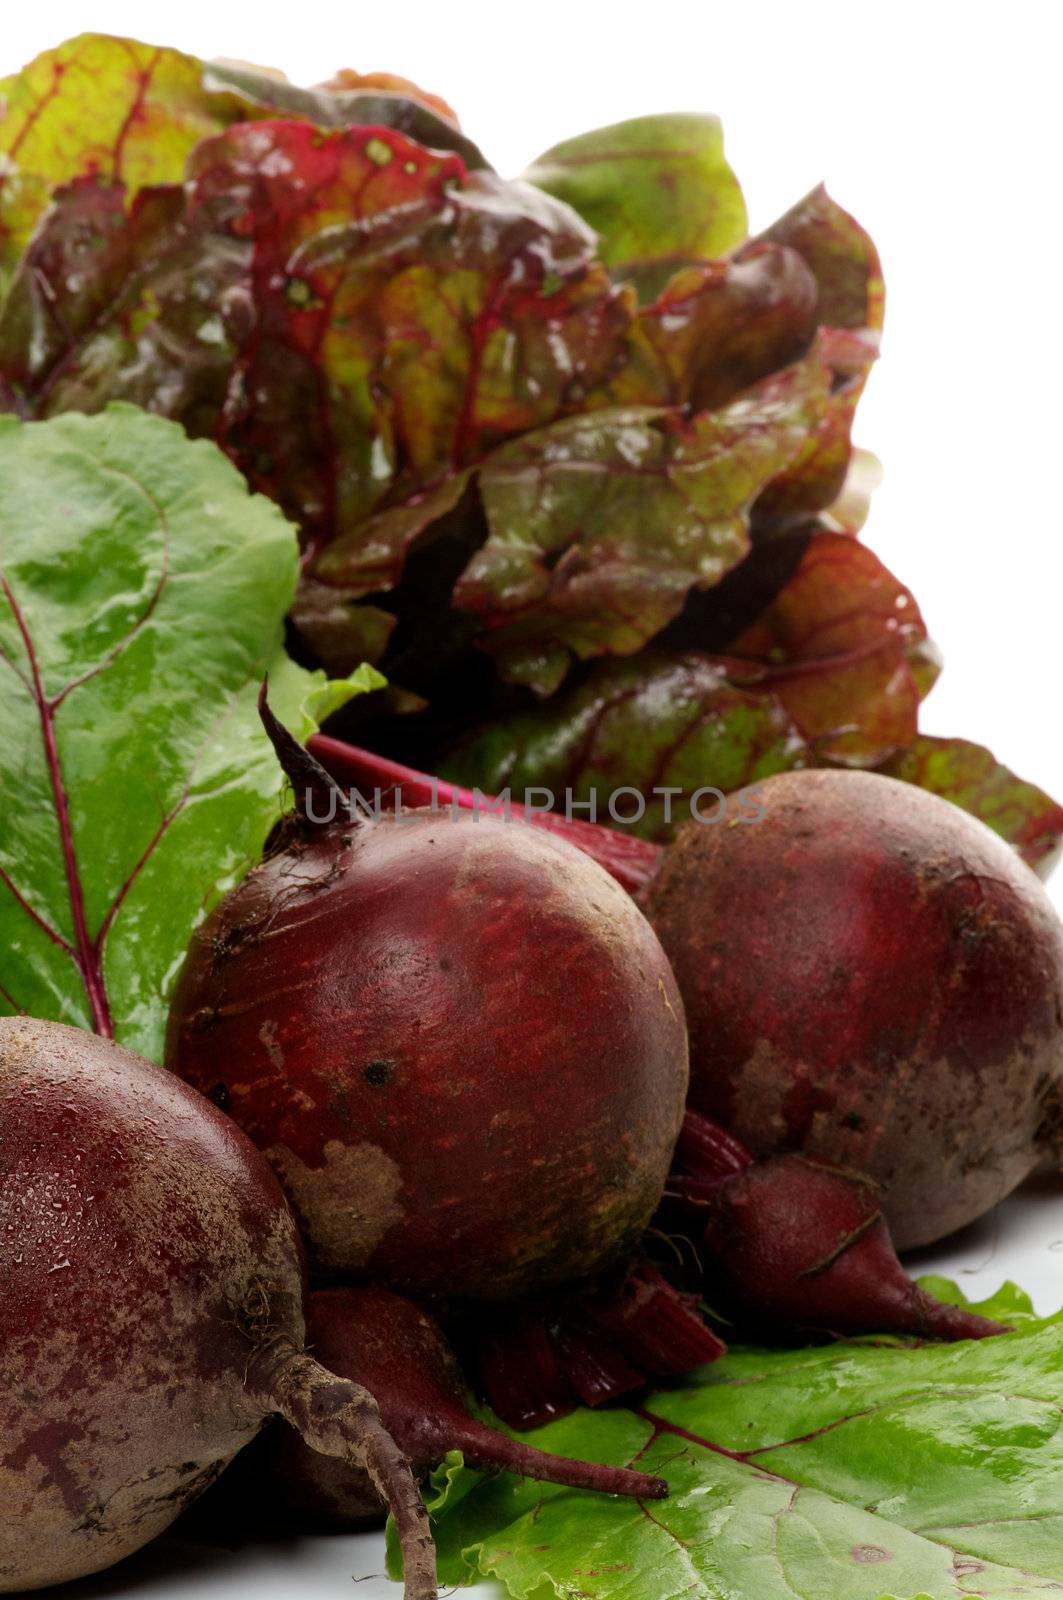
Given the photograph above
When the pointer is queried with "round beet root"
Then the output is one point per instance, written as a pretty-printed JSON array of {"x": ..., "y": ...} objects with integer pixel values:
[
  {"x": 871, "y": 977},
  {"x": 398, "y": 1352},
  {"x": 152, "y": 1313},
  {"x": 457, "y": 1040}
]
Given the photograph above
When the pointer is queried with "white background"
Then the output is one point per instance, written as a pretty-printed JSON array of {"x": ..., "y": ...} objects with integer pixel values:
[{"x": 938, "y": 125}]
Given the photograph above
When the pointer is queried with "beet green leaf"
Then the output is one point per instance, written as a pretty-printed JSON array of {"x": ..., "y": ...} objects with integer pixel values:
[
  {"x": 142, "y": 599},
  {"x": 857, "y": 1471}
]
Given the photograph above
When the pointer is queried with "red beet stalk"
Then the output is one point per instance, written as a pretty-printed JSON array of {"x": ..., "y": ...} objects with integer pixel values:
[
  {"x": 632, "y": 862},
  {"x": 539, "y": 1361}
]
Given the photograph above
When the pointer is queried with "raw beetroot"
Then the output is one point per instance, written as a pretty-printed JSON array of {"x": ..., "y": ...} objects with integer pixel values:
[
  {"x": 399, "y": 1353},
  {"x": 871, "y": 977},
  {"x": 458, "y": 1041},
  {"x": 151, "y": 1318}
]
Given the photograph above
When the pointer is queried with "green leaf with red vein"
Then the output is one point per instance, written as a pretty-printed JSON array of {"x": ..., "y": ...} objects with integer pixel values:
[
  {"x": 125, "y": 112},
  {"x": 842, "y": 257},
  {"x": 843, "y": 646},
  {"x": 853, "y": 1470},
  {"x": 719, "y": 327},
  {"x": 350, "y": 99},
  {"x": 600, "y": 524},
  {"x": 97, "y": 105},
  {"x": 971, "y": 777},
  {"x": 659, "y": 721},
  {"x": 142, "y": 598},
  {"x": 657, "y": 190},
  {"x": 406, "y": 321},
  {"x": 145, "y": 303},
  {"x": 815, "y": 479}
]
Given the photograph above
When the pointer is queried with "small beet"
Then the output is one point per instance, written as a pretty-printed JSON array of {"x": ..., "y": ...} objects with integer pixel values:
[
  {"x": 457, "y": 1040},
  {"x": 382, "y": 1341},
  {"x": 795, "y": 1244},
  {"x": 151, "y": 1319}
]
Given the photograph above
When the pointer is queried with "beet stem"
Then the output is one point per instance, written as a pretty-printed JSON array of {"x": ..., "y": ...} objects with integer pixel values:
[
  {"x": 632, "y": 861},
  {"x": 315, "y": 789},
  {"x": 483, "y": 1447},
  {"x": 340, "y": 1418}
]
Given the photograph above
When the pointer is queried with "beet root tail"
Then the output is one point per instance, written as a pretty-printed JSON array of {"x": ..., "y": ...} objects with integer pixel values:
[
  {"x": 483, "y": 1447},
  {"x": 798, "y": 1245},
  {"x": 339, "y": 1418},
  {"x": 942, "y": 1321}
]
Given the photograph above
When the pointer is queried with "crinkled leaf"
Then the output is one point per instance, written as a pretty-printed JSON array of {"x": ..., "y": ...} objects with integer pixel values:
[
  {"x": 971, "y": 777},
  {"x": 655, "y": 722},
  {"x": 142, "y": 598},
  {"x": 842, "y": 257},
  {"x": 855, "y": 1470},
  {"x": 600, "y": 524},
  {"x": 376, "y": 100},
  {"x": 657, "y": 190},
  {"x": 841, "y": 644},
  {"x": 123, "y": 111},
  {"x": 406, "y": 321},
  {"x": 719, "y": 327},
  {"x": 391, "y": 83},
  {"x": 849, "y": 307},
  {"x": 145, "y": 303},
  {"x": 816, "y": 477}
]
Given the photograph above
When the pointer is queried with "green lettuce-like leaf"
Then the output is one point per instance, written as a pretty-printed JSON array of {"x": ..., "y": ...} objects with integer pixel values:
[
  {"x": 844, "y": 647},
  {"x": 971, "y": 777},
  {"x": 144, "y": 302},
  {"x": 813, "y": 652},
  {"x": 657, "y": 721},
  {"x": 142, "y": 598},
  {"x": 841, "y": 256},
  {"x": 600, "y": 524},
  {"x": 854, "y": 1471},
  {"x": 657, "y": 190},
  {"x": 127, "y": 112}
]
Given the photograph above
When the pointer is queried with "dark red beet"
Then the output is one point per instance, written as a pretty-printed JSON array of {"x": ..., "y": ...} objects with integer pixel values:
[
  {"x": 870, "y": 975},
  {"x": 385, "y": 1343},
  {"x": 874, "y": 978},
  {"x": 795, "y": 1244},
  {"x": 458, "y": 1041},
  {"x": 151, "y": 1319}
]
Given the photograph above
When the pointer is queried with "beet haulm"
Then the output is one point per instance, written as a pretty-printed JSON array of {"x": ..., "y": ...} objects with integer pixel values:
[
  {"x": 152, "y": 1314},
  {"x": 458, "y": 1041}
]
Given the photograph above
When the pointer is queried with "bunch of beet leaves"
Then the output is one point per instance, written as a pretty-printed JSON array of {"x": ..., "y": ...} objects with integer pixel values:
[{"x": 570, "y": 456}]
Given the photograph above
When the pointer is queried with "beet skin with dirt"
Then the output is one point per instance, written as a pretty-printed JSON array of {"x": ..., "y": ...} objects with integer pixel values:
[{"x": 457, "y": 1040}]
